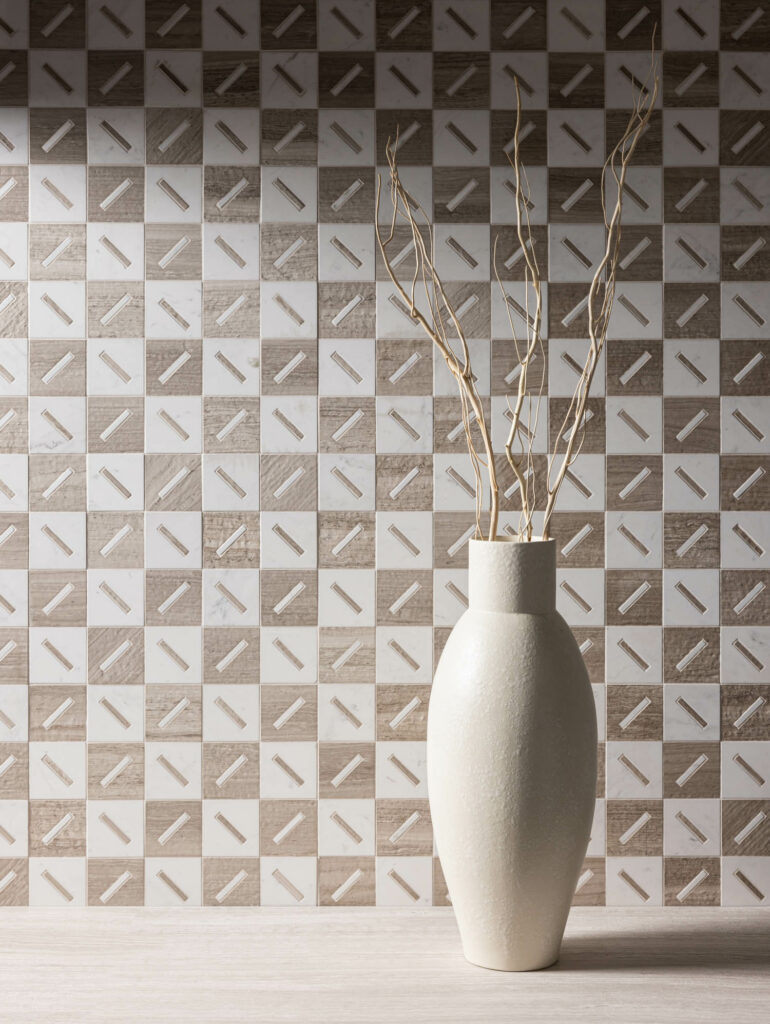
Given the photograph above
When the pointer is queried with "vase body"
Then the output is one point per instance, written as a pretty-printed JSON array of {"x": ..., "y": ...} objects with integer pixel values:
[{"x": 511, "y": 759}]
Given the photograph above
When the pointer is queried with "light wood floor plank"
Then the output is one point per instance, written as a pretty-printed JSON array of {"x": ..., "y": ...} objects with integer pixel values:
[{"x": 374, "y": 966}]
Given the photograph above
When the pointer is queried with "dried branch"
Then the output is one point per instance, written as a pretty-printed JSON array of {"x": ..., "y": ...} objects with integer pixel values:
[
  {"x": 436, "y": 323},
  {"x": 600, "y": 299},
  {"x": 437, "y": 317},
  {"x": 601, "y": 292}
]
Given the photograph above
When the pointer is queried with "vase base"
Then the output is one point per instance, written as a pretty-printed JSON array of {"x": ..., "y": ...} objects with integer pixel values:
[{"x": 512, "y": 968}]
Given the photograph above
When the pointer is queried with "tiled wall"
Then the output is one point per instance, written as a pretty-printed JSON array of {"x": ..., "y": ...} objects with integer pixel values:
[{"x": 233, "y": 499}]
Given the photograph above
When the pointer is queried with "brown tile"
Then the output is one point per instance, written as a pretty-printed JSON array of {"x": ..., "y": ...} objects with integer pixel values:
[
  {"x": 448, "y": 435},
  {"x": 218, "y": 89},
  {"x": 461, "y": 195},
  {"x": 346, "y": 310},
  {"x": 57, "y": 483},
  {"x": 70, "y": 265},
  {"x": 230, "y": 882},
  {"x": 404, "y": 367},
  {"x": 14, "y": 551},
  {"x": 679, "y": 528},
  {"x": 103, "y": 88},
  {"x": 678, "y": 67},
  {"x": 745, "y": 598},
  {"x": 14, "y": 667},
  {"x": 690, "y": 655},
  {"x": 359, "y": 552},
  {"x": 57, "y": 713},
  {"x": 115, "y": 771},
  {"x": 116, "y": 194},
  {"x": 231, "y": 771},
  {"x": 173, "y": 367},
  {"x": 691, "y": 881},
  {"x": 346, "y": 425},
  {"x": 452, "y": 532},
  {"x": 346, "y": 655},
  {"x": 16, "y": 432},
  {"x": 744, "y": 482},
  {"x": 230, "y": 655},
  {"x": 174, "y": 135},
  {"x": 440, "y": 891},
  {"x": 571, "y": 201},
  {"x": 172, "y": 598},
  {"x": 110, "y": 429},
  {"x": 346, "y": 770},
  {"x": 115, "y": 883},
  {"x": 289, "y": 598},
  {"x": 634, "y": 712},
  {"x": 115, "y": 540},
  {"x": 634, "y": 597},
  {"x": 15, "y": 874},
  {"x": 289, "y": 136},
  {"x": 417, "y": 35},
  {"x": 288, "y": 482},
  {"x": 173, "y": 713},
  {"x": 563, "y": 68},
  {"x": 68, "y": 379},
  {"x": 745, "y": 828},
  {"x": 448, "y": 69},
  {"x": 165, "y": 29},
  {"x": 288, "y": 828},
  {"x": 57, "y": 828},
  {"x": 231, "y": 540},
  {"x": 57, "y": 135},
  {"x": 333, "y": 72},
  {"x": 635, "y": 367},
  {"x": 289, "y": 367},
  {"x": 533, "y": 148},
  {"x": 346, "y": 881},
  {"x": 691, "y": 195},
  {"x": 14, "y": 206},
  {"x": 588, "y": 552},
  {"x": 289, "y": 713},
  {"x": 404, "y": 597},
  {"x": 172, "y": 828},
  {"x": 402, "y": 712},
  {"x": 280, "y": 31},
  {"x": 745, "y": 711},
  {"x": 404, "y": 828},
  {"x": 57, "y": 599},
  {"x": 302, "y": 265},
  {"x": 634, "y": 828},
  {"x": 14, "y": 782},
  {"x": 691, "y": 424},
  {"x": 16, "y": 81},
  {"x": 741, "y": 260},
  {"x": 591, "y": 887},
  {"x": 172, "y": 252},
  {"x": 400, "y": 487},
  {"x": 745, "y": 368},
  {"x": 691, "y": 771}
]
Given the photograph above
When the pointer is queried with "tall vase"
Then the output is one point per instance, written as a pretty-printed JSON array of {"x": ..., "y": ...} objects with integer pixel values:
[{"x": 511, "y": 759}]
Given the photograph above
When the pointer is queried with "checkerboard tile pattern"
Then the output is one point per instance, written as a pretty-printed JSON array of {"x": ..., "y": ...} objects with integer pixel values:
[{"x": 234, "y": 501}]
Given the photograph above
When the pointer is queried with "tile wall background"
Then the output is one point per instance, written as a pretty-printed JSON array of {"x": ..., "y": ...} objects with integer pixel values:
[{"x": 233, "y": 502}]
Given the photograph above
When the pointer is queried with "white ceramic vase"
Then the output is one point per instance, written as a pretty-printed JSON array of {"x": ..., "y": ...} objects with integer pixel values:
[{"x": 511, "y": 759}]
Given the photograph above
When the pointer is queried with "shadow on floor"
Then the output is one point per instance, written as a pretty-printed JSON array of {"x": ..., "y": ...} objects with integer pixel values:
[{"x": 729, "y": 948}]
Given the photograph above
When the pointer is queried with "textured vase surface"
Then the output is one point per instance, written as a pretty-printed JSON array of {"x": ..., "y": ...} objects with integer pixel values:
[{"x": 511, "y": 759}]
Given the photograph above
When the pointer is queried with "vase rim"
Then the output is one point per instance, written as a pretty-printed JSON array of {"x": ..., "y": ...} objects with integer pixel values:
[{"x": 512, "y": 540}]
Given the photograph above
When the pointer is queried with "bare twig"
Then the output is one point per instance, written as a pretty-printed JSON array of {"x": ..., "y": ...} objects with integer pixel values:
[
  {"x": 436, "y": 323},
  {"x": 437, "y": 317}
]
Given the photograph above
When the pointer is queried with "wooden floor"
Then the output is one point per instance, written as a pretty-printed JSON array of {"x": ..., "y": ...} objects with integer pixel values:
[{"x": 372, "y": 966}]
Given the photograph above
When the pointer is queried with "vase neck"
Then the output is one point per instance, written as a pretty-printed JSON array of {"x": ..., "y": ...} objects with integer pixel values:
[{"x": 512, "y": 576}]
